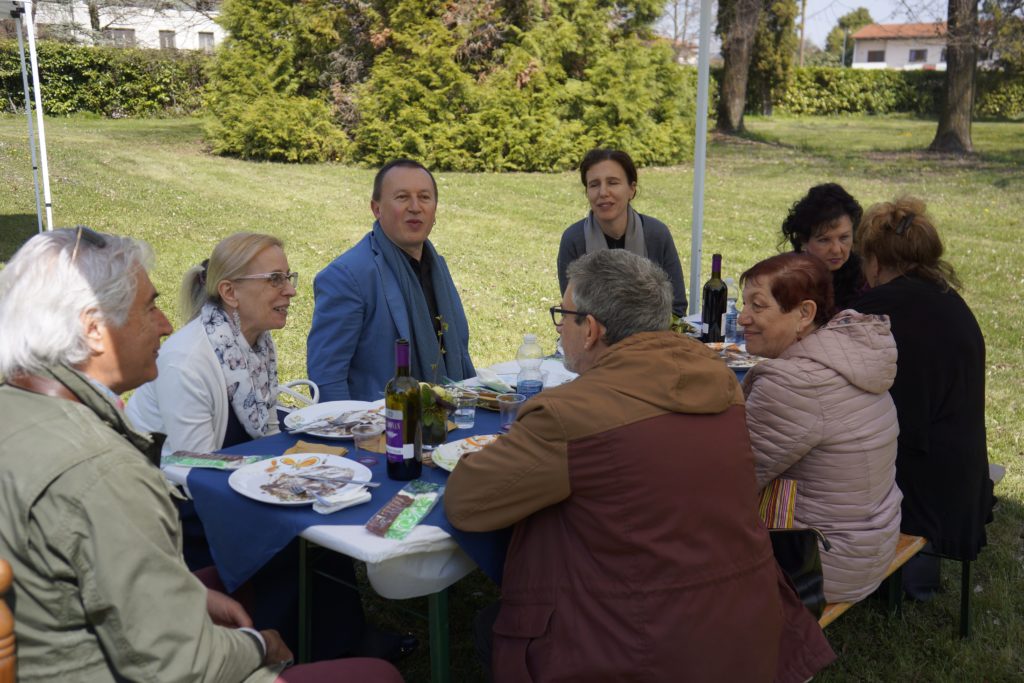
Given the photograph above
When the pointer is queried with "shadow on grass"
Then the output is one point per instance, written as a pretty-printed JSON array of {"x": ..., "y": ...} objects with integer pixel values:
[{"x": 15, "y": 229}]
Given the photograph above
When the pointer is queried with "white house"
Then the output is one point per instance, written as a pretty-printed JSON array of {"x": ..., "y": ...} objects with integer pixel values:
[
  {"x": 174, "y": 26},
  {"x": 900, "y": 46}
]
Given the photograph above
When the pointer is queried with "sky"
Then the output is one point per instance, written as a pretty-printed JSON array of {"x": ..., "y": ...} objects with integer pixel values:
[{"x": 822, "y": 15}]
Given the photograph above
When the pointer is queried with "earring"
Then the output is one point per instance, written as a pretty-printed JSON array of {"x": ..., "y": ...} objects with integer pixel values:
[{"x": 236, "y": 320}]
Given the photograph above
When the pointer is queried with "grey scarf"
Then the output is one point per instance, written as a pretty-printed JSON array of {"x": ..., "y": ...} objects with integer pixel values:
[{"x": 635, "y": 244}]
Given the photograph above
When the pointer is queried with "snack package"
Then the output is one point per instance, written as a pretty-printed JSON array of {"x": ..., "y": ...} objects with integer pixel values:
[
  {"x": 217, "y": 461},
  {"x": 405, "y": 510}
]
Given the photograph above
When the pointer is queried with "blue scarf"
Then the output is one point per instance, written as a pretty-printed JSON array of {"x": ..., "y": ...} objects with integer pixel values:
[{"x": 428, "y": 363}]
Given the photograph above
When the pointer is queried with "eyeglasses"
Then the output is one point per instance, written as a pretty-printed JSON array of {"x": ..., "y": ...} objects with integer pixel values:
[
  {"x": 91, "y": 236},
  {"x": 558, "y": 314},
  {"x": 276, "y": 279}
]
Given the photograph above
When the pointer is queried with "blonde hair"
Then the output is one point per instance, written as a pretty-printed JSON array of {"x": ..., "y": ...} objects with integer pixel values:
[
  {"x": 901, "y": 236},
  {"x": 230, "y": 258}
]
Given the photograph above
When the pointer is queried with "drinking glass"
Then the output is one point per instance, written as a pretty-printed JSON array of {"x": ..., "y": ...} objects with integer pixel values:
[
  {"x": 508, "y": 408},
  {"x": 364, "y": 435},
  {"x": 465, "y": 408}
]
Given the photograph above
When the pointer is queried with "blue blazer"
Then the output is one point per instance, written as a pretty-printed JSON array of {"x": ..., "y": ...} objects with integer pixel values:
[{"x": 358, "y": 314}]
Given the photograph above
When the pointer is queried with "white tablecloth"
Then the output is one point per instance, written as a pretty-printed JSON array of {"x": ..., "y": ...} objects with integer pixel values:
[{"x": 426, "y": 561}]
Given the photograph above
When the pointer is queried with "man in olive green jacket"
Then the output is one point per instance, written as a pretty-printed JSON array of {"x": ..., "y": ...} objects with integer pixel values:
[{"x": 100, "y": 590}]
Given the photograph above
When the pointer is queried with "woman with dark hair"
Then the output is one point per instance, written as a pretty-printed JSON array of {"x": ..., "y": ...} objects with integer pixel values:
[
  {"x": 823, "y": 223},
  {"x": 609, "y": 176},
  {"x": 819, "y": 412},
  {"x": 942, "y": 459}
]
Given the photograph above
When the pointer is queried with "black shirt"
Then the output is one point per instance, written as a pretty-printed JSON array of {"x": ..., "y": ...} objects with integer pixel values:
[
  {"x": 423, "y": 268},
  {"x": 614, "y": 243},
  {"x": 235, "y": 432}
]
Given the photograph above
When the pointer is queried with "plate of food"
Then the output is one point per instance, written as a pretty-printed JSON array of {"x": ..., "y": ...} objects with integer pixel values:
[
  {"x": 735, "y": 355},
  {"x": 274, "y": 481},
  {"x": 446, "y": 456},
  {"x": 335, "y": 419},
  {"x": 486, "y": 399}
]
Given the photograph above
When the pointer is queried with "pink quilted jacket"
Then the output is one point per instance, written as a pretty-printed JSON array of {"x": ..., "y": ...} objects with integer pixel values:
[{"x": 821, "y": 414}]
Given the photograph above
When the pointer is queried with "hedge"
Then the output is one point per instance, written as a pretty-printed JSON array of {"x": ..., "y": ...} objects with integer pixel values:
[
  {"x": 826, "y": 91},
  {"x": 110, "y": 81}
]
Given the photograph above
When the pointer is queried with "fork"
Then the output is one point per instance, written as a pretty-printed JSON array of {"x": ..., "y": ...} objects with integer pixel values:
[
  {"x": 338, "y": 421},
  {"x": 296, "y": 489}
]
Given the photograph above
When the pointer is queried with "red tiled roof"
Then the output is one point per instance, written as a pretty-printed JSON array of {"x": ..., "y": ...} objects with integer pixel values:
[{"x": 890, "y": 31}]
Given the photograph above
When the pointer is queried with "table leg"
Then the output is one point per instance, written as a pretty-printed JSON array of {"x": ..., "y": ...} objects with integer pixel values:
[
  {"x": 305, "y": 601},
  {"x": 440, "y": 660}
]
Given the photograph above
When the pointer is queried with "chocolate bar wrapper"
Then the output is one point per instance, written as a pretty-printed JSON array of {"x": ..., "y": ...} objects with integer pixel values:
[{"x": 405, "y": 510}]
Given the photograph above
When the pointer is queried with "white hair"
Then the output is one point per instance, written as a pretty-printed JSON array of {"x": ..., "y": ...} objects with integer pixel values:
[{"x": 43, "y": 294}]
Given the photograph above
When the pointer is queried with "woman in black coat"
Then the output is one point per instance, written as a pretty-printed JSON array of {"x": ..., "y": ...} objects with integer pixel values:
[
  {"x": 822, "y": 223},
  {"x": 942, "y": 459}
]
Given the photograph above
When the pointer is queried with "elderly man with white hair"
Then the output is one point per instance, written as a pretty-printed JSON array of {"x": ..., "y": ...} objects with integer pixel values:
[
  {"x": 100, "y": 591},
  {"x": 636, "y": 550}
]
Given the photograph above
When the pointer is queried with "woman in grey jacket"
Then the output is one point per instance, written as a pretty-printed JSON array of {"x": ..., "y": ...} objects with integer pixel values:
[
  {"x": 819, "y": 412},
  {"x": 609, "y": 175}
]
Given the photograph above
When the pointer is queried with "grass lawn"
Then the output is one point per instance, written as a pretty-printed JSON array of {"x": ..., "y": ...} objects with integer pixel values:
[{"x": 499, "y": 233}]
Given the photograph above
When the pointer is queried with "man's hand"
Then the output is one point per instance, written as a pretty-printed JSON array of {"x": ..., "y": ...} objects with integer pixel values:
[
  {"x": 226, "y": 611},
  {"x": 277, "y": 652}
]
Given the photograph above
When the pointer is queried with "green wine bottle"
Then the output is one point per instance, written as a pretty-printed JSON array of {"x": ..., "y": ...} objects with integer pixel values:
[{"x": 404, "y": 442}]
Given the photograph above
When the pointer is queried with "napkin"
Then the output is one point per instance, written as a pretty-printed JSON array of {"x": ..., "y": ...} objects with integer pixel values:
[
  {"x": 343, "y": 499},
  {"x": 309, "y": 447},
  {"x": 490, "y": 379}
]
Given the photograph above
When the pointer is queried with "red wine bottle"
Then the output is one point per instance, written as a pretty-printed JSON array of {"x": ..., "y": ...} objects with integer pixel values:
[
  {"x": 716, "y": 294},
  {"x": 402, "y": 410}
]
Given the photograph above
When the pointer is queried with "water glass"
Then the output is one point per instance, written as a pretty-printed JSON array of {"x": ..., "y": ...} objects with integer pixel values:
[
  {"x": 366, "y": 435},
  {"x": 465, "y": 408},
  {"x": 508, "y": 408}
]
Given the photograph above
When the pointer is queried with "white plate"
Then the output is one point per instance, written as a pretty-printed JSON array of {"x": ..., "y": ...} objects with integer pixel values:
[
  {"x": 323, "y": 411},
  {"x": 446, "y": 456},
  {"x": 553, "y": 371},
  {"x": 250, "y": 480},
  {"x": 735, "y": 355}
]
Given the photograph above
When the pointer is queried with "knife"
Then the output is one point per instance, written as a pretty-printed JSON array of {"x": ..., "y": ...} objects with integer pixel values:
[{"x": 339, "y": 480}]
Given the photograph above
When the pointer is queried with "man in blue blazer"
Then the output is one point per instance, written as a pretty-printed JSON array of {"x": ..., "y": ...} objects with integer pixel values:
[{"x": 392, "y": 284}]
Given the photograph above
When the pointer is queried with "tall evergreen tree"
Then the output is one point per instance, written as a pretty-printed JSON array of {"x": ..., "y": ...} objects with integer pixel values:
[
  {"x": 775, "y": 45},
  {"x": 838, "y": 42}
]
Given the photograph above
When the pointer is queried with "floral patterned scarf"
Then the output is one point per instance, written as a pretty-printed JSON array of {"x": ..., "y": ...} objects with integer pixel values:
[{"x": 250, "y": 373}]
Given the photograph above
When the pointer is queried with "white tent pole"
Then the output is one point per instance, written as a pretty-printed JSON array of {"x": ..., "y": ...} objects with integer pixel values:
[
  {"x": 28, "y": 115},
  {"x": 700, "y": 155},
  {"x": 37, "y": 88}
]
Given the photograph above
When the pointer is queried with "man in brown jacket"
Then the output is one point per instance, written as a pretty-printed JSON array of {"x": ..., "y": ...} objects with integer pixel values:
[{"x": 637, "y": 553}]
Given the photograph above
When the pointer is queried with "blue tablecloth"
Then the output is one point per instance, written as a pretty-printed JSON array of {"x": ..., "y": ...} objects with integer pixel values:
[{"x": 244, "y": 534}]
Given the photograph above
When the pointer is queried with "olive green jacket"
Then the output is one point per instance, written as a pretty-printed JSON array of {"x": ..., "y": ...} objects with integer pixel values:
[{"x": 100, "y": 591}]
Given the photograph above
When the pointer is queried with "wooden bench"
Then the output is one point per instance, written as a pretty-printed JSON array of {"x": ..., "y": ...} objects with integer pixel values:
[
  {"x": 7, "y": 661},
  {"x": 906, "y": 548}
]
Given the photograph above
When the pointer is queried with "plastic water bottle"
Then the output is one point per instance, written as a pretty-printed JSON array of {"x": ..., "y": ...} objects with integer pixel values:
[
  {"x": 529, "y": 357},
  {"x": 730, "y": 320},
  {"x": 732, "y": 327}
]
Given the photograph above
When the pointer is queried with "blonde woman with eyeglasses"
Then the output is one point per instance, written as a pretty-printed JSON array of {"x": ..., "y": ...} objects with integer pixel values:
[{"x": 218, "y": 374}]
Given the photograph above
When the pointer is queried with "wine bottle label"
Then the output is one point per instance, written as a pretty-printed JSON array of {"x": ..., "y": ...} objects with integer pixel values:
[{"x": 394, "y": 448}]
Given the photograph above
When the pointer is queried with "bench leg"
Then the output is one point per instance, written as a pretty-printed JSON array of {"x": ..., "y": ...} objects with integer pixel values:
[
  {"x": 895, "y": 592},
  {"x": 438, "y": 619},
  {"x": 305, "y": 602},
  {"x": 965, "y": 599}
]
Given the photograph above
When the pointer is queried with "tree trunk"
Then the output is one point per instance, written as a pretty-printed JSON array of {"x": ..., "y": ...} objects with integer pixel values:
[
  {"x": 740, "y": 19},
  {"x": 94, "y": 16},
  {"x": 954, "y": 131}
]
